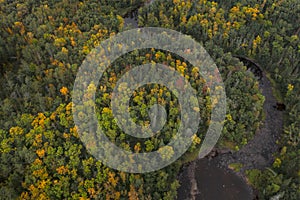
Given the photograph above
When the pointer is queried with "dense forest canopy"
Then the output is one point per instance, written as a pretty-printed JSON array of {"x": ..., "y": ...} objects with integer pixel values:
[{"x": 43, "y": 44}]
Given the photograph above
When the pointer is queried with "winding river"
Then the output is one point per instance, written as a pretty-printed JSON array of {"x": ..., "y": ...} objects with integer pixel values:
[
  {"x": 212, "y": 179},
  {"x": 206, "y": 179}
]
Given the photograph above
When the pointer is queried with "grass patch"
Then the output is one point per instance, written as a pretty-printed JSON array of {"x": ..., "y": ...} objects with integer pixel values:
[
  {"x": 227, "y": 144},
  {"x": 263, "y": 116},
  {"x": 189, "y": 156},
  {"x": 277, "y": 94},
  {"x": 235, "y": 166},
  {"x": 253, "y": 176},
  {"x": 275, "y": 89}
]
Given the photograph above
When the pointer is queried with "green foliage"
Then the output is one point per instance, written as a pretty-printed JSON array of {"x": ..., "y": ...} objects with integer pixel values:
[
  {"x": 267, "y": 32},
  {"x": 236, "y": 166},
  {"x": 42, "y": 44}
]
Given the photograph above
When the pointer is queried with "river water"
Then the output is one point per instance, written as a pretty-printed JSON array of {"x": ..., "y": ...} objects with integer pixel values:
[
  {"x": 130, "y": 20},
  {"x": 213, "y": 183}
]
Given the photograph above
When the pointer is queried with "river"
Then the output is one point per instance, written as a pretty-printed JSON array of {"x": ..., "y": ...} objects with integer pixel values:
[
  {"x": 209, "y": 182},
  {"x": 211, "y": 179}
]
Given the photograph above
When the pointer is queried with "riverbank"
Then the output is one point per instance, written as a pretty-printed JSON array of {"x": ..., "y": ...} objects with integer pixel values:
[
  {"x": 205, "y": 180},
  {"x": 232, "y": 165},
  {"x": 257, "y": 154}
]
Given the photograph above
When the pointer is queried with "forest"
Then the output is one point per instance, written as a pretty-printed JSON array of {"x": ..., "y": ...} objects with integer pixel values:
[{"x": 44, "y": 43}]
